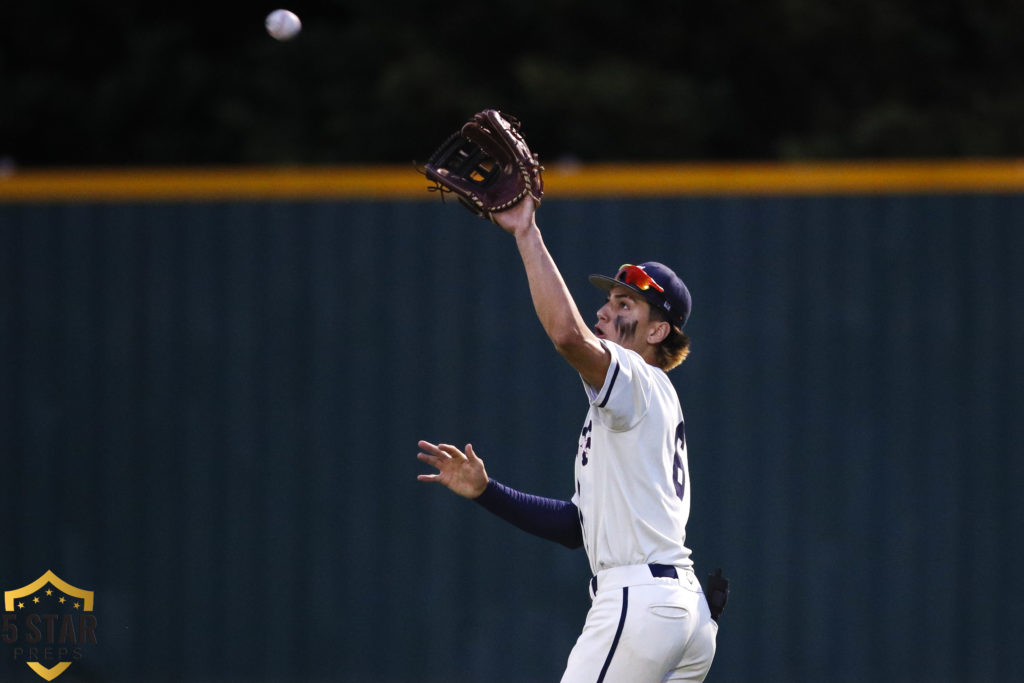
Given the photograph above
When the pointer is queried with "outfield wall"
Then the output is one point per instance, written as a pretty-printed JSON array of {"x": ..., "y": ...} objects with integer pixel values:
[{"x": 213, "y": 391}]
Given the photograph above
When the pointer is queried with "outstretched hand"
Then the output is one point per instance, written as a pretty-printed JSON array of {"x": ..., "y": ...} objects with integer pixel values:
[
  {"x": 463, "y": 473},
  {"x": 518, "y": 219}
]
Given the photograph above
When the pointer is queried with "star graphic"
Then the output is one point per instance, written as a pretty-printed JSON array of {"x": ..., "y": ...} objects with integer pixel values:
[
  {"x": 61, "y": 600},
  {"x": 21, "y": 605},
  {"x": 76, "y": 605},
  {"x": 35, "y": 599},
  {"x": 49, "y": 591}
]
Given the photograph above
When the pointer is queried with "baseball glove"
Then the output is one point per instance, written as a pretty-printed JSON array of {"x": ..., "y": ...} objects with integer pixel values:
[{"x": 487, "y": 164}]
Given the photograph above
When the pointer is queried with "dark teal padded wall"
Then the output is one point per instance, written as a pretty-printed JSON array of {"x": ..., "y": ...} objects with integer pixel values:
[{"x": 209, "y": 415}]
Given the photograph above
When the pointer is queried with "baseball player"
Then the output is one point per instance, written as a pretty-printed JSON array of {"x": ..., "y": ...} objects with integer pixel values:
[{"x": 649, "y": 620}]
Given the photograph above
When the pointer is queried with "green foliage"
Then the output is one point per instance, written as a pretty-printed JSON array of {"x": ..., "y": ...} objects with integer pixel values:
[{"x": 107, "y": 83}]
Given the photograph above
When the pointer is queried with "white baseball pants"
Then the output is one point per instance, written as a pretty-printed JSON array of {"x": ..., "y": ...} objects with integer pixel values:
[{"x": 644, "y": 629}]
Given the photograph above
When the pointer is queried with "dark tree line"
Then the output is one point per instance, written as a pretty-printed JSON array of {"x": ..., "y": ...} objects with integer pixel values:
[{"x": 111, "y": 83}]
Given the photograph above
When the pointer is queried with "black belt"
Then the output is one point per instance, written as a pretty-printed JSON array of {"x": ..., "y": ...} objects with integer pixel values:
[{"x": 658, "y": 571}]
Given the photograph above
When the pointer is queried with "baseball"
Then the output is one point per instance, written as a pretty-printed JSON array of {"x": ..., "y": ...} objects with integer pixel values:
[{"x": 283, "y": 25}]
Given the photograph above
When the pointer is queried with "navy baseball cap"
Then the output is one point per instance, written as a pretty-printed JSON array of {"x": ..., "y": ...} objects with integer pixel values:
[{"x": 656, "y": 283}]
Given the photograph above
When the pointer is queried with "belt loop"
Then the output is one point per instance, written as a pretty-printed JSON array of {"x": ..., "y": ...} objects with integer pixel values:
[{"x": 663, "y": 571}]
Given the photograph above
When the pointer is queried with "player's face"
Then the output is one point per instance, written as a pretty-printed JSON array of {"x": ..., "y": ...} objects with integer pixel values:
[{"x": 623, "y": 314}]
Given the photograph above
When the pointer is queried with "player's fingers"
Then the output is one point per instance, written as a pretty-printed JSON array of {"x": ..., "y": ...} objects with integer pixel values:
[
  {"x": 470, "y": 453},
  {"x": 433, "y": 451},
  {"x": 429, "y": 447},
  {"x": 428, "y": 477},
  {"x": 451, "y": 451},
  {"x": 429, "y": 459}
]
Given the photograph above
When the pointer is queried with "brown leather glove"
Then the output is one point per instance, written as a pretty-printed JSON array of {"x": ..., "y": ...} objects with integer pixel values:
[{"x": 487, "y": 164}]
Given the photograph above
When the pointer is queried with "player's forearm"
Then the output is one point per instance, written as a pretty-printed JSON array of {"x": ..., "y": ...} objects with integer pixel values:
[
  {"x": 552, "y": 301},
  {"x": 550, "y": 519}
]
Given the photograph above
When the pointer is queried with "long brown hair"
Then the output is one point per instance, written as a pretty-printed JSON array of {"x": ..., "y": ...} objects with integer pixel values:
[{"x": 674, "y": 348}]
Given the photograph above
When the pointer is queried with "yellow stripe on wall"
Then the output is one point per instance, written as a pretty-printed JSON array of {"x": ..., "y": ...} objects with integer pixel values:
[{"x": 561, "y": 181}]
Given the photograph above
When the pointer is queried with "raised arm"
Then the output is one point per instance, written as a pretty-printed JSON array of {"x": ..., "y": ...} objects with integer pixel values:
[{"x": 554, "y": 304}]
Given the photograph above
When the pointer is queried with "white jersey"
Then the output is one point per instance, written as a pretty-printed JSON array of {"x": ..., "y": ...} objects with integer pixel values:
[{"x": 632, "y": 476}]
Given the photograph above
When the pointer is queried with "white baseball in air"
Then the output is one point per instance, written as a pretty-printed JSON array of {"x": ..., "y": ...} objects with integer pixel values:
[{"x": 283, "y": 24}]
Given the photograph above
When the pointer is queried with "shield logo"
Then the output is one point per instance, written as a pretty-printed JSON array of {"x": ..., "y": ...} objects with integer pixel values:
[{"x": 48, "y": 621}]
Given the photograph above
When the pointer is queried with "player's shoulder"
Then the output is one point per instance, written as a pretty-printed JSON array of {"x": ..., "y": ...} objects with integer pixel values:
[
  {"x": 629, "y": 369},
  {"x": 632, "y": 388}
]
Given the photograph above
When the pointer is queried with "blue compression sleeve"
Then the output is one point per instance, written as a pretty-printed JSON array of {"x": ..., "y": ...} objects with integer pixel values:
[{"x": 554, "y": 520}]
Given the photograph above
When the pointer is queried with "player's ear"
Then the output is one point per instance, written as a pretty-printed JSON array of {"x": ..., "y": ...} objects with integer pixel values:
[{"x": 657, "y": 331}]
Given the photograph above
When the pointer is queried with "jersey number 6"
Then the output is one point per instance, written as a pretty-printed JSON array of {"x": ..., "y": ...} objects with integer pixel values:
[{"x": 678, "y": 473}]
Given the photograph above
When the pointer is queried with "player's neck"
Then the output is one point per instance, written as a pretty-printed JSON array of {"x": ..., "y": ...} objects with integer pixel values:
[{"x": 647, "y": 351}]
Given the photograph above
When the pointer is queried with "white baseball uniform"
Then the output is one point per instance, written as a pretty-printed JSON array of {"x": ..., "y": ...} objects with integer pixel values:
[{"x": 649, "y": 621}]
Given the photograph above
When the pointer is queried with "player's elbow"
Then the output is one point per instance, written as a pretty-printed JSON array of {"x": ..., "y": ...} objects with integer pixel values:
[
  {"x": 569, "y": 340},
  {"x": 586, "y": 354}
]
